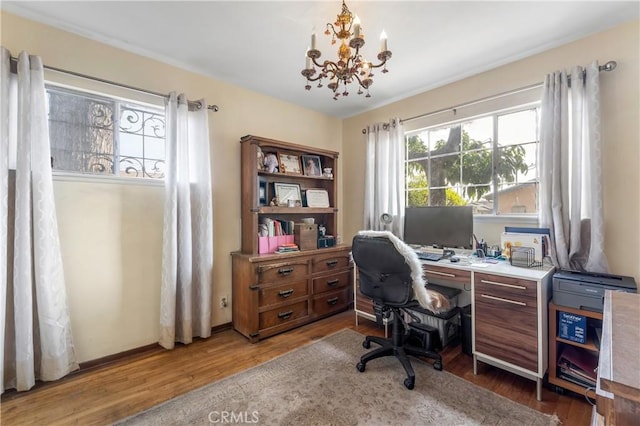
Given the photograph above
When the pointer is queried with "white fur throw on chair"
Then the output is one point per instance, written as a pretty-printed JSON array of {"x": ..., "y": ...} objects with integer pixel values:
[{"x": 433, "y": 301}]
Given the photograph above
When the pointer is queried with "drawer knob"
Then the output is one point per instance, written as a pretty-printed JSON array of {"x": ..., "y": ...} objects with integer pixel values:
[
  {"x": 333, "y": 283},
  {"x": 285, "y": 293},
  {"x": 332, "y": 263},
  {"x": 285, "y": 271},
  {"x": 333, "y": 301},
  {"x": 285, "y": 315}
]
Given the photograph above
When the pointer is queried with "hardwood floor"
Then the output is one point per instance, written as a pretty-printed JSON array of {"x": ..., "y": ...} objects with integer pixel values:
[{"x": 106, "y": 394}]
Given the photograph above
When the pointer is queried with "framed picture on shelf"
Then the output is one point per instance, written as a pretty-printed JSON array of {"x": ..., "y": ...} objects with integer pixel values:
[
  {"x": 289, "y": 164},
  {"x": 262, "y": 191},
  {"x": 286, "y": 192},
  {"x": 311, "y": 165},
  {"x": 317, "y": 198}
]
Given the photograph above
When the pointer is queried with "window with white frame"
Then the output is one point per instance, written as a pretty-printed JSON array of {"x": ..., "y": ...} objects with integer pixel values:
[
  {"x": 94, "y": 134},
  {"x": 488, "y": 162}
]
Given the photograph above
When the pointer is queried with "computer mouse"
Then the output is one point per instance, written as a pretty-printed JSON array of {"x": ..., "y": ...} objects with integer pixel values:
[{"x": 454, "y": 259}]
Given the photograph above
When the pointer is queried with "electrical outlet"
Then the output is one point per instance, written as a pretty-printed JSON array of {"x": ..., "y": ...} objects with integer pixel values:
[{"x": 224, "y": 302}]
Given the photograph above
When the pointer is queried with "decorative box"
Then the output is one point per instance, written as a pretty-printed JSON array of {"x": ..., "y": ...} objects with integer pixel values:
[{"x": 306, "y": 236}]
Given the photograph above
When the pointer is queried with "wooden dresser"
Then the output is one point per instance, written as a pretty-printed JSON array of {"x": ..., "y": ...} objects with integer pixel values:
[
  {"x": 618, "y": 386},
  {"x": 273, "y": 293}
]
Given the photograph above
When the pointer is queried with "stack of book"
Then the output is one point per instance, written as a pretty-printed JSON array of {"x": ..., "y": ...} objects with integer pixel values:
[
  {"x": 287, "y": 248},
  {"x": 578, "y": 366}
]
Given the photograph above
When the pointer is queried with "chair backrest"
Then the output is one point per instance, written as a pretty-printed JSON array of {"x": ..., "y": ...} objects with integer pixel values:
[{"x": 383, "y": 271}]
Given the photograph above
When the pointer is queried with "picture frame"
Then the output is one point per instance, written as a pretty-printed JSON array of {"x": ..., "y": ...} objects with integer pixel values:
[
  {"x": 289, "y": 164},
  {"x": 317, "y": 198},
  {"x": 286, "y": 192},
  {"x": 262, "y": 191},
  {"x": 311, "y": 165}
]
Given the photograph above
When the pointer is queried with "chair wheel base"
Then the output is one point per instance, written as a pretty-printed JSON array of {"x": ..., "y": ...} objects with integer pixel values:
[
  {"x": 360, "y": 366},
  {"x": 437, "y": 365},
  {"x": 409, "y": 382},
  {"x": 366, "y": 344}
]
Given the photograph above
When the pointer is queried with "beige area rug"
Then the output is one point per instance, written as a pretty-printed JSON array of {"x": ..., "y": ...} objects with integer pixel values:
[{"x": 319, "y": 385}]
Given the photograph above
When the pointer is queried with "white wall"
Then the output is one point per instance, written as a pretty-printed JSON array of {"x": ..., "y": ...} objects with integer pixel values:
[{"x": 620, "y": 112}]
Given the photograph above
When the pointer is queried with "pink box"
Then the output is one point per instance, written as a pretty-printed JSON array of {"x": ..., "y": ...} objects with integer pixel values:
[{"x": 271, "y": 244}]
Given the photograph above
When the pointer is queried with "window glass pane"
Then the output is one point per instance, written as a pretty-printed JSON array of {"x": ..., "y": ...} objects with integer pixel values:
[
  {"x": 417, "y": 145},
  {"x": 517, "y": 163},
  {"x": 518, "y": 127},
  {"x": 416, "y": 181},
  {"x": 478, "y": 133},
  {"x": 477, "y": 167},
  {"x": 81, "y": 133},
  {"x": 517, "y": 199}
]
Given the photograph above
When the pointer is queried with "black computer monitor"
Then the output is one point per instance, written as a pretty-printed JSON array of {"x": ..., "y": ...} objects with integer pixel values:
[{"x": 441, "y": 227}]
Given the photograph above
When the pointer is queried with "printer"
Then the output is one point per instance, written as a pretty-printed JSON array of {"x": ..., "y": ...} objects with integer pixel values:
[{"x": 585, "y": 290}]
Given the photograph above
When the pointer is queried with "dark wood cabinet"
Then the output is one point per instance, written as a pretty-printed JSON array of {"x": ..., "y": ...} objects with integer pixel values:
[{"x": 274, "y": 292}]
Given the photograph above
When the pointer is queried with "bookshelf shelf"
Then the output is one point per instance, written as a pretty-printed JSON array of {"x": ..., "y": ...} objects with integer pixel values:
[{"x": 557, "y": 344}]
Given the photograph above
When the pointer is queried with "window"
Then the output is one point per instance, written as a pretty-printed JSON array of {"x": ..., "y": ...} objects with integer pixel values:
[
  {"x": 106, "y": 136},
  {"x": 489, "y": 162}
]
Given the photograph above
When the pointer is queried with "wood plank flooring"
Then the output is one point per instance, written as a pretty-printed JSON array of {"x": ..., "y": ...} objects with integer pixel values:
[{"x": 106, "y": 394}]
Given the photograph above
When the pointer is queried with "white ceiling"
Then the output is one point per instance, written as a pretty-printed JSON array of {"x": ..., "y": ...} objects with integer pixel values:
[{"x": 260, "y": 45}]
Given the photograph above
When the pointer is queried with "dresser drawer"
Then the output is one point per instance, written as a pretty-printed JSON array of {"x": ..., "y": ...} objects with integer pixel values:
[
  {"x": 506, "y": 287},
  {"x": 290, "y": 270},
  {"x": 331, "y": 302},
  {"x": 282, "y": 293},
  {"x": 283, "y": 314},
  {"x": 436, "y": 274},
  {"x": 330, "y": 262},
  {"x": 331, "y": 282}
]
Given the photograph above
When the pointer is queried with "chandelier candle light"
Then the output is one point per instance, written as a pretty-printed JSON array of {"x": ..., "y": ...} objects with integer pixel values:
[{"x": 351, "y": 66}]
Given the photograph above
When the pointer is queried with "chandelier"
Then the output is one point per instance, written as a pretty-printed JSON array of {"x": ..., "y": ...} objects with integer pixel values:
[{"x": 350, "y": 67}]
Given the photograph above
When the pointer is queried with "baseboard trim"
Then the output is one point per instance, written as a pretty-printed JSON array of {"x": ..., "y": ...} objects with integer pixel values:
[{"x": 99, "y": 363}]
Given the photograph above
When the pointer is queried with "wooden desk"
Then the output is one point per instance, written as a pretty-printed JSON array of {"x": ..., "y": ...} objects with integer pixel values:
[{"x": 618, "y": 386}]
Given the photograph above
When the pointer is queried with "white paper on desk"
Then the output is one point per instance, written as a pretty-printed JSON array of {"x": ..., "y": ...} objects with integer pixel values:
[{"x": 480, "y": 265}]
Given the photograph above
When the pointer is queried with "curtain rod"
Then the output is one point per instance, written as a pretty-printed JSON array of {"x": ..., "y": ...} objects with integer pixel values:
[
  {"x": 609, "y": 66},
  {"x": 195, "y": 104}
]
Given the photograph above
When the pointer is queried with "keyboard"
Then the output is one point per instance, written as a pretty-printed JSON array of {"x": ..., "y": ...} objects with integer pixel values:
[{"x": 434, "y": 257}]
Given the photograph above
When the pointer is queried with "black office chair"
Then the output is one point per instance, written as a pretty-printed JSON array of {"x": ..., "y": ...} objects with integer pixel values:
[{"x": 390, "y": 273}]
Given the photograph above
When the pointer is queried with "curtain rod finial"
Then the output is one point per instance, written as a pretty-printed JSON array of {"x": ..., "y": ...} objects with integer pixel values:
[
  {"x": 213, "y": 108},
  {"x": 609, "y": 66}
]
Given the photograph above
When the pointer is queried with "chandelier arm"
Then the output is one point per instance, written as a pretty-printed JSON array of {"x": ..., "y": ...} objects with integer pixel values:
[{"x": 381, "y": 64}]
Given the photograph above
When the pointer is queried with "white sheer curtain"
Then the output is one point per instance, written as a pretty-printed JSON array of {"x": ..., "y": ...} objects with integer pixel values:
[
  {"x": 571, "y": 169},
  {"x": 34, "y": 318},
  {"x": 384, "y": 177},
  {"x": 187, "y": 263}
]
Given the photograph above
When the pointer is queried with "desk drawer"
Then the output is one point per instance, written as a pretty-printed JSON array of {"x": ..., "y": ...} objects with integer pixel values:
[
  {"x": 331, "y": 302},
  {"x": 282, "y": 293},
  {"x": 330, "y": 262},
  {"x": 293, "y": 269},
  {"x": 506, "y": 287},
  {"x": 283, "y": 314},
  {"x": 331, "y": 282},
  {"x": 507, "y": 329},
  {"x": 436, "y": 274}
]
